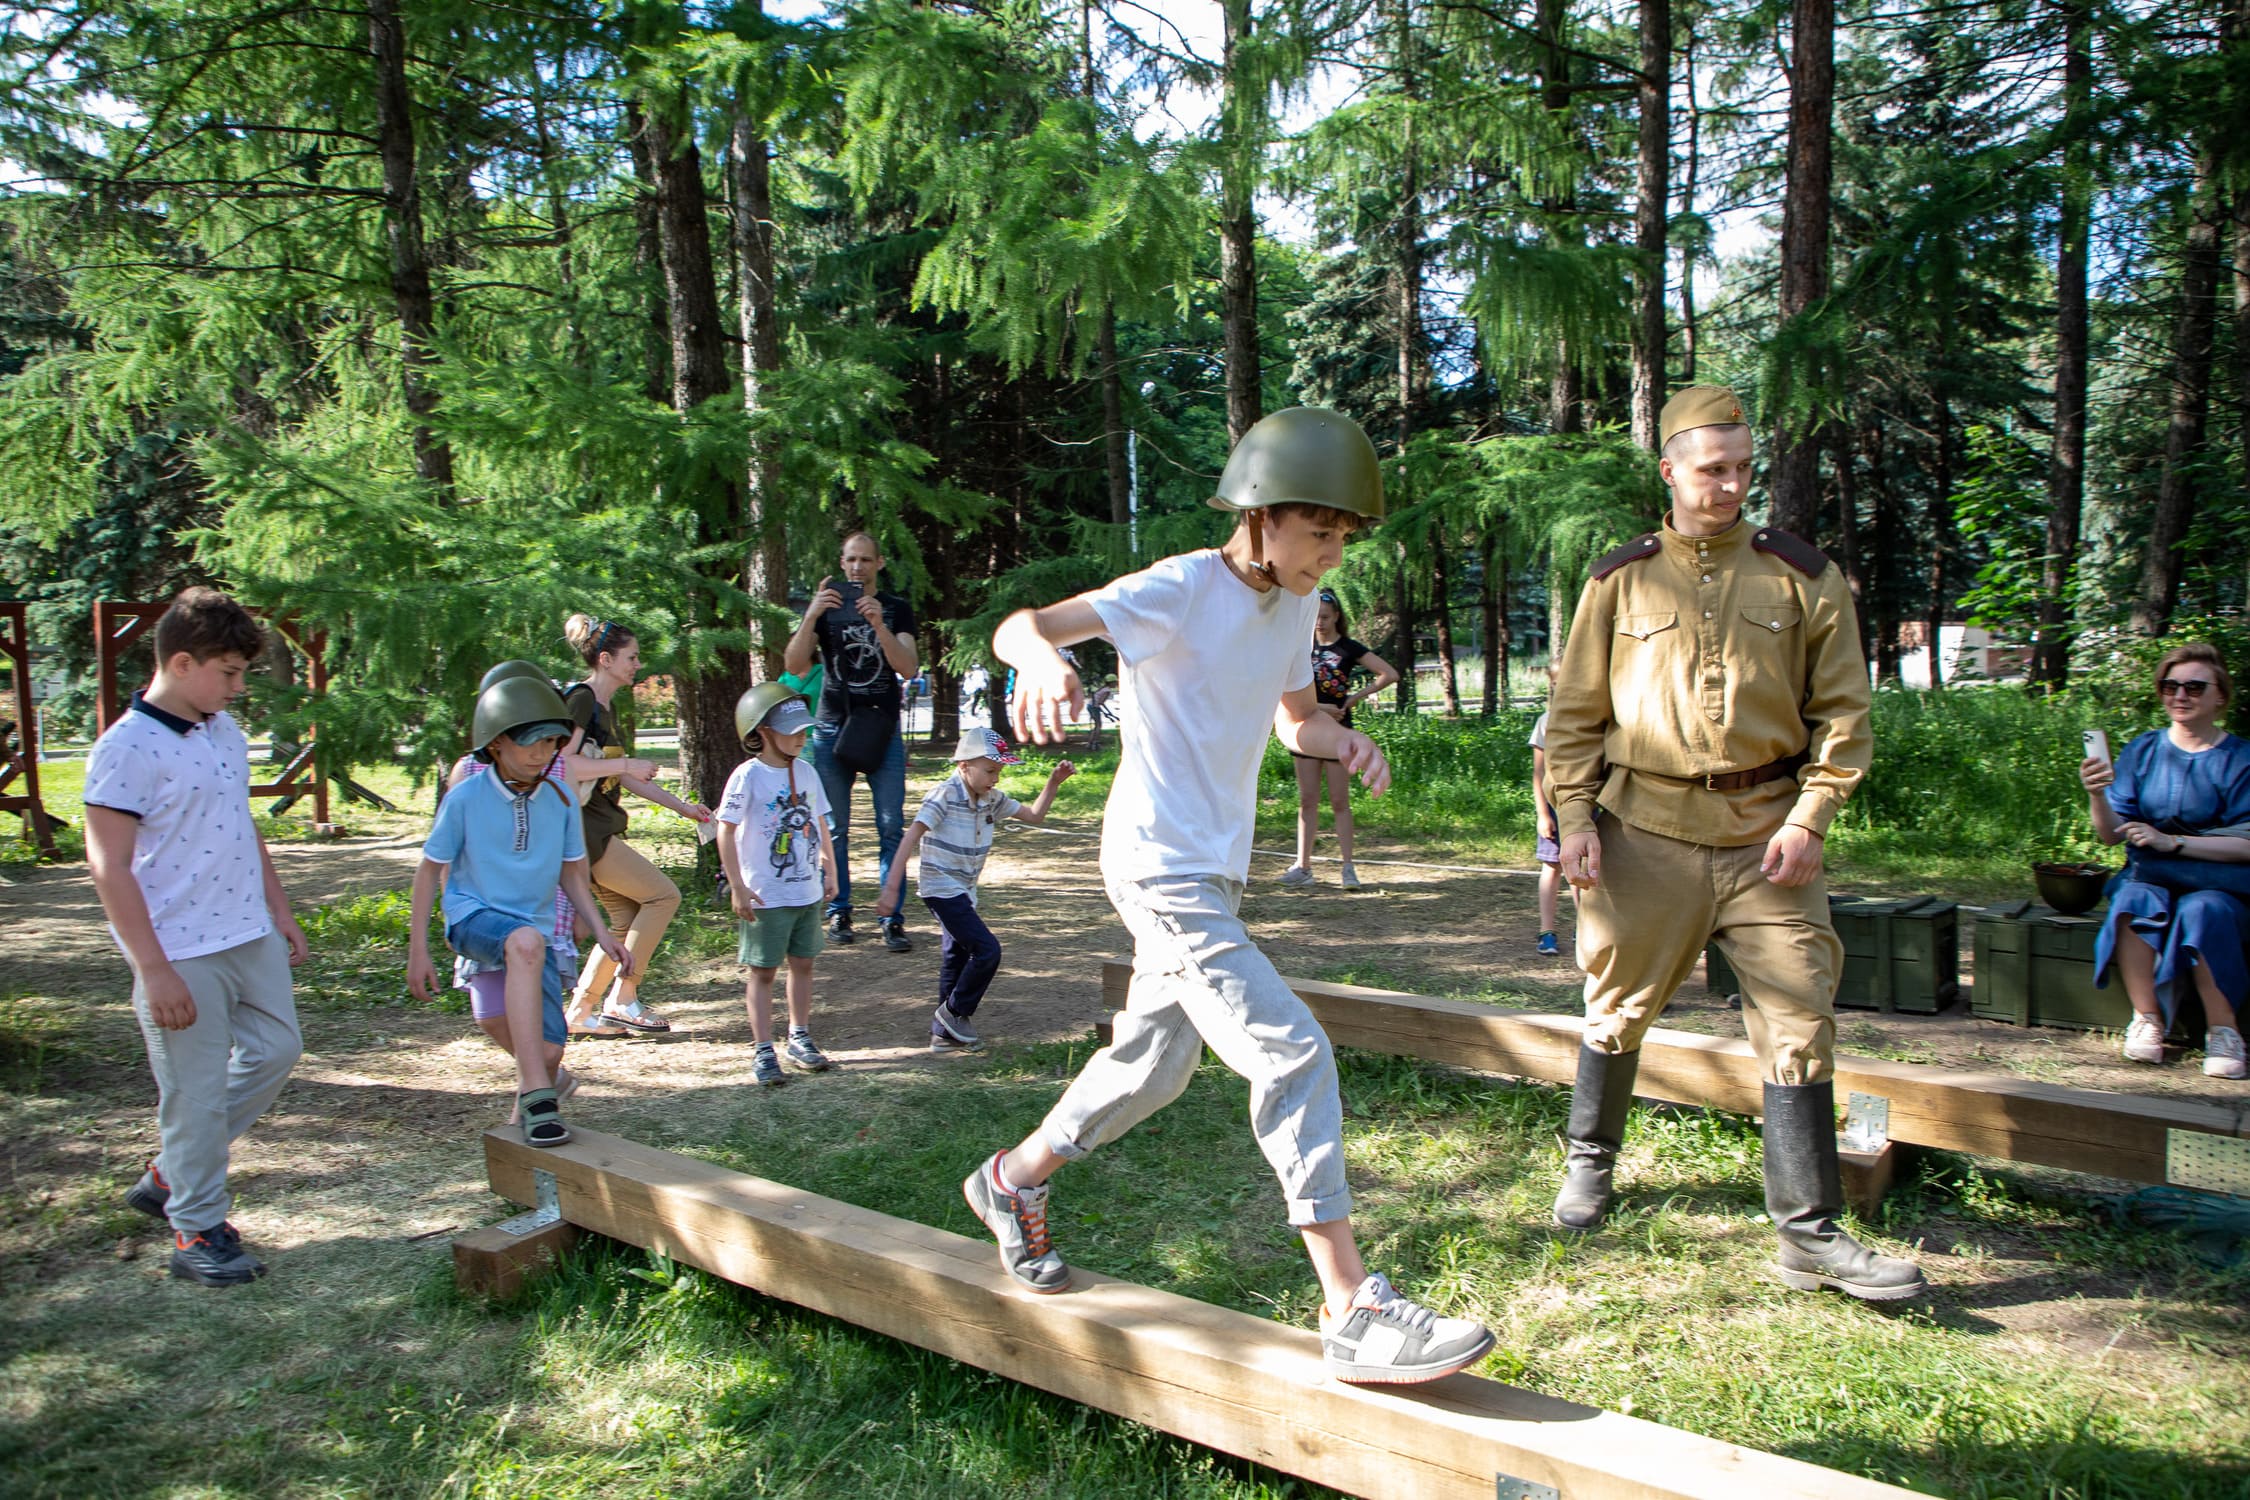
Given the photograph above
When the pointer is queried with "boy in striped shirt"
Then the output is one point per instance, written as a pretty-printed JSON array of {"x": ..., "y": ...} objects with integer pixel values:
[{"x": 953, "y": 835}]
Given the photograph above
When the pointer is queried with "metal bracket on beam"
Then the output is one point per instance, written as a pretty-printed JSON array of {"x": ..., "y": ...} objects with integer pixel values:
[
  {"x": 2210, "y": 1163},
  {"x": 549, "y": 1210},
  {"x": 1508, "y": 1487},
  {"x": 1867, "y": 1123}
]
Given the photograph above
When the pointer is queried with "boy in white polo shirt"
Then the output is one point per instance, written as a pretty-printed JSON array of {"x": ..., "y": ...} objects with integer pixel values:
[
  {"x": 953, "y": 835},
  {"x": 1213, "y": 647},
  {"x": 193, "y": 900}
]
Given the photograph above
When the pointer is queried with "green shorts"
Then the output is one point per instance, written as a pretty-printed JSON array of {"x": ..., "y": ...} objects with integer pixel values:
[{"x": 779, "y": 932}]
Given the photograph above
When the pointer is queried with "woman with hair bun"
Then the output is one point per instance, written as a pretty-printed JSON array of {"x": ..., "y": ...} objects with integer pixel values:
[{"x": 640, "y": 898}]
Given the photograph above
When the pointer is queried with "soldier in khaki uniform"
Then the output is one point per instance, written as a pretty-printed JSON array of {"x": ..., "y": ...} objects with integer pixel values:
[{"x": 1708, "y": 720}]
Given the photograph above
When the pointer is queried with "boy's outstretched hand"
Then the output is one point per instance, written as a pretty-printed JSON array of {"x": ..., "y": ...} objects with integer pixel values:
[
  {"x": 1062, "y": 772},
  {"x": 1048, "y": 696},
  {"x": 1365, "y": 759},
  {"x": 421, "y": 975}
]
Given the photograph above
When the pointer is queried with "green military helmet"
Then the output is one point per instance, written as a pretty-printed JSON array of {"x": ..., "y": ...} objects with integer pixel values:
[
  {"x": 515, "y": 668},
  {"x": 519, "y": 703},
  {"x": 1307, "y": 454},
  {"x": 754, "y": 707}
]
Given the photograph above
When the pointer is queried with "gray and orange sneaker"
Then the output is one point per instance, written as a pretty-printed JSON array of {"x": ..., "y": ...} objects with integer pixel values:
[
  {"x": 214, "y": 1257},
  {"x": 1381, "y": 1338},
  {"x": 1018, "y": 1220},
  {"x": 150, "y": 1194}
]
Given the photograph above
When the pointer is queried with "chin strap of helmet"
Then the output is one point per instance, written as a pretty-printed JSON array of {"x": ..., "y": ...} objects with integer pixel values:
[{"x": 1258, "y": 563}]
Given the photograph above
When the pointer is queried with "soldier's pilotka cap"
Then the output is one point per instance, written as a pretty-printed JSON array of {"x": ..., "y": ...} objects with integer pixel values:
[{"x": 1699, "y": 406}]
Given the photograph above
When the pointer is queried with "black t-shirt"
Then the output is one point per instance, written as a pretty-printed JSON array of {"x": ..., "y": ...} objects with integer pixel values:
[
  {"x": 853, "y": 668},
  {"x": 1332, "y": 666}
]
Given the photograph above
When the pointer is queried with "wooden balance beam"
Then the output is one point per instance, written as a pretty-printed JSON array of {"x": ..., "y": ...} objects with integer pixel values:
[
  {"x": 1233, "y": 1382},
  {"x": 2198, "y": 1143}
]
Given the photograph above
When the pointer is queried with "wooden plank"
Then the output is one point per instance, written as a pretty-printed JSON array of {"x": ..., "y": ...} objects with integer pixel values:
[
  {"x": 1228, "y": 1380},
  {"x": 1985, "y": 1114},
  {"x": 494, "y": 1262}
]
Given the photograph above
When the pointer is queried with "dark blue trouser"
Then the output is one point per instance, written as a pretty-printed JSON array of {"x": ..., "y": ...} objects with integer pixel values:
[{"x": 971, "y": 954}]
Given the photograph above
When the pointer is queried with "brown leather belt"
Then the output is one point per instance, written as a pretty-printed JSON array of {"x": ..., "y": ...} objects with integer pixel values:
[{"x": 1736, "y": 781}]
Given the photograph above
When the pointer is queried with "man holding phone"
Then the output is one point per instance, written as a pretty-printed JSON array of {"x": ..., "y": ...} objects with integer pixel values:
[{"x": 866, "y": 644}]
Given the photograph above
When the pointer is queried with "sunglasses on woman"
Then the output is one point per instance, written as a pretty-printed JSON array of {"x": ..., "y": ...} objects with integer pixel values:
[{"x": 2191, "y": 687}]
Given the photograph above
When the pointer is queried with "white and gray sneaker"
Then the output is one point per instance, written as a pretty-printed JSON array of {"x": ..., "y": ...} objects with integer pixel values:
[
  {"x": 801, "y": 1053},
  {"x": 1018, "y": 1220},
  {"x": 2144, "y": 1040},
  {"x": 1348, "y": 877},
  {"x": 1296, "y": 875},
  {"x": 955, "y": 1028},
  {"x": 2223, "y": 1054},
  {"x": 1383, "y": 1339}
]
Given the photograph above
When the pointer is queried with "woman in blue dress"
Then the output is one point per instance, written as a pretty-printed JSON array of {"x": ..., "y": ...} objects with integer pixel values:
[{"x": 2181, "y": 793}]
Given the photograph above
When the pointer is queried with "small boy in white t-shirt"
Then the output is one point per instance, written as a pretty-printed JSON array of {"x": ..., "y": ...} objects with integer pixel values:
[
  {"x": 193, "y": 900},
  {"x": 1213, "y": 651},
  {"x": 781, "y": 867},
  {"x": 953, "y": 834}
]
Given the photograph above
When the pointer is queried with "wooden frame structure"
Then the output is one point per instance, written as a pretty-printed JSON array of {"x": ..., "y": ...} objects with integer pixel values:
[
  {"x": 2128, "y": 1136},
  {"x": 19, "y": 756},
  {"x": 119, "y": 623},
  {"x": 1230, "y": 1381}
]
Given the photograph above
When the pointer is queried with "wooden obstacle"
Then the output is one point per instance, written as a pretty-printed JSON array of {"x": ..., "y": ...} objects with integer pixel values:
[
  {"x": 2191, "y": 1142},
  {"x": 1240, "y": 1384},
  {"x": 19, "y": 748}
]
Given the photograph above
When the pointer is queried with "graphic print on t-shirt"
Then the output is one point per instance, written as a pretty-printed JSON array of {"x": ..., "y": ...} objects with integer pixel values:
[
  {"x": 858, "y": 662},
  {"x": 794, "y": 850}
]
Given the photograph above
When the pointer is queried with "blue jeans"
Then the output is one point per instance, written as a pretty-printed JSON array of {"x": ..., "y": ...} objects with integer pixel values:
[
  {"x": 888, "y": 785},
  {"x": 971, "y": 954},
  {"x": 482, "y": 938}
]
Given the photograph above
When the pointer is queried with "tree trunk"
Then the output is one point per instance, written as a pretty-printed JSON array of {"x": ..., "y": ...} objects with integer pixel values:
[
  {"x": 2066, "y": 465},
  {"x": 648, "y": 258},
  {"x": 1687, "y": 206},
  {"x": 709, "y": 747},
  {"x": 1941, "y": 539},
  {"x": 2242, "y": 329},
  {"x": 402, "y": 225},
  {"x": 1652, "y": 205},
  {"x": 1566, "y": 385},
  {"x": 1492, "y": 622},
  {"x": 1114, "y": 463},
  {"x": 1795, "y": 476},
  {"x": 1240, "y": 103},
  {"x": 766, "y": 571},
  {"x": 1403, "y": 645},
  {"x": 1441, "y": 585},
  {"x": 2161, "y": 566},
  {"x": 1847, "y": 522},
  {"x": 1884, "y": 559}
]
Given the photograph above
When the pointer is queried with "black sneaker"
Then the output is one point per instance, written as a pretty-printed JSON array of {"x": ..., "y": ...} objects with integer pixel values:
[
  {"x": 894, "y": 935},
  {"x": 150, "y": 1194},
  {"x": 840, "y": 929},
  {"x": 214, "y": 1257}
]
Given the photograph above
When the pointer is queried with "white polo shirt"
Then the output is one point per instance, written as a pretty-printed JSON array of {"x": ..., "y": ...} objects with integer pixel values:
[{"x": 195, "y": 853}]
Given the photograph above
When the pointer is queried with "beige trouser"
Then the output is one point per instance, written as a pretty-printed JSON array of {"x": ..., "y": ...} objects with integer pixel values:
[
  {"x": 1661, "y": 899},
  {"x": 640, "y": 900}
]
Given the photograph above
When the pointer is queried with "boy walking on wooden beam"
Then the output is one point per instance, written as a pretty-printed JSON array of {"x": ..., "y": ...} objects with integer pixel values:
[
  {"x": 193, "y": 900},
  {"x": 1707, "y": 723},
  {"x": 1213, "y": 649}
]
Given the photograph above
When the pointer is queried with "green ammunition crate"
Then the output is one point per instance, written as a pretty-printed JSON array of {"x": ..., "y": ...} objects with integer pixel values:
[
  {"x": 1898, "y": 955},
  {"x": 2035, "y": 967}
]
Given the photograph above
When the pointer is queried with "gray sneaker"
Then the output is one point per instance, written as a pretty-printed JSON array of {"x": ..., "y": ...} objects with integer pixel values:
[
  {"x": 1019, "y": 1222},
  {"x": 1296, "y": 875},
  {"x": 1348, "y": 877},
  {"x": 766, "y": 1071},
  {"x": 803, "y": 1054},
  {"x": 1383, "y": 1339},
  {"x": 955, "y": 1027}
]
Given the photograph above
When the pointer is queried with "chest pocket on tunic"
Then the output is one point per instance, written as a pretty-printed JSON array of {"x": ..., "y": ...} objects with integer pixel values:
[
  {"x": 1772, "y": 618},
  {"x": 1641, "y": 627}
]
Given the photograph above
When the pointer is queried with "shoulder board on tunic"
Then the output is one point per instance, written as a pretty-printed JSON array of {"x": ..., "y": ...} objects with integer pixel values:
[
  {"x": 1640, "y": 547},
  {"x": 1791, "y": 549}
]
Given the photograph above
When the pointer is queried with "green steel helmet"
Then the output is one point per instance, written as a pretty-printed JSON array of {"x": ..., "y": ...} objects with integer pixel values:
[
  {"x": 518, "y": 703},
  {"x": 1307, "y": 454},
  {"x": 752, "y": 709},
  {"x": 507, "y": 669}
]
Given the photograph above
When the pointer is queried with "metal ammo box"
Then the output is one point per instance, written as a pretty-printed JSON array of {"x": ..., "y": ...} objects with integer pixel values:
[{"x": 1902, "y": 955}]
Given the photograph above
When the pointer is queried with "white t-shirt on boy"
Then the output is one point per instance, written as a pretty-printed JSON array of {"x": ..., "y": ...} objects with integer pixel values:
[
  {"x": 776, "y": 822},
  {"x": 1206, "y": 659}
]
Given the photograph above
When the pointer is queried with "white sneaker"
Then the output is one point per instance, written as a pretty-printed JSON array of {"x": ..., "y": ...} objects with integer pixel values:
[
  {"x": 2223, "y": 1053},
  {"x": 2144, "y": 1040},
  {"x": 1349, "y": 879},
  {"x": 1296, "y": 875},
  {"x": 1383, "y": 1339}
]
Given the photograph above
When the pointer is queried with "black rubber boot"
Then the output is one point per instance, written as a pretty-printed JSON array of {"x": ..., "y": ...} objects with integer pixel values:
[
  {"x": 1805, "y": 1193},
  {"x": 1597, "y": 1129}
]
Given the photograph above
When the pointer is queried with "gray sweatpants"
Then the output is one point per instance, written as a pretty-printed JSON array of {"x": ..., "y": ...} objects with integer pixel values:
[
  {"x": 215, "y": 1077},
  {"x": 1198, "y": 978}
]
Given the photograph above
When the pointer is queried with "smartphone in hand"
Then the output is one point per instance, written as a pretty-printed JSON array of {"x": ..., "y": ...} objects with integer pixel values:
[
  {"x": 2097, "y": 746},
  {"x": 847, "y": 596}
]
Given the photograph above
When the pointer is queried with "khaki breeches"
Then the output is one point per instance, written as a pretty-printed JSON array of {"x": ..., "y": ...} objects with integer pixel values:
[
  {"x": 639, "y": 900},
  {"x": 1661, "y": 899}
]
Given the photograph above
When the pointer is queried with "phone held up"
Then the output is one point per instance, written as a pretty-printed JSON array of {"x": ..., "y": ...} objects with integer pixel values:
[{"x": 2097, "y": 746}]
